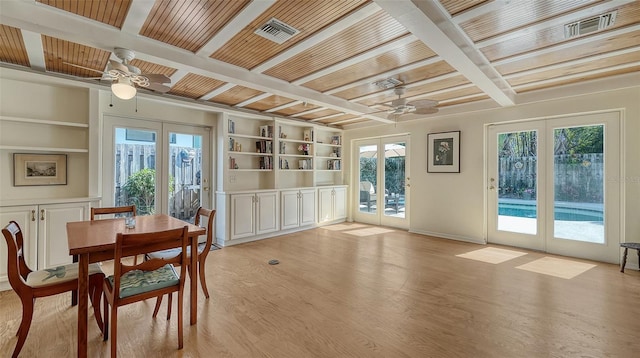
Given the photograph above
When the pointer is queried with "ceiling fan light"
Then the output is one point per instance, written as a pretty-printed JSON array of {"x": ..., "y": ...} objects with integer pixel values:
[{"x": 123, "y": 89}]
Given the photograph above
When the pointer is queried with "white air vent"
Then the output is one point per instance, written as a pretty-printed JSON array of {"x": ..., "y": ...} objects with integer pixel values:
[
  {"x": 276, "y": 31},
  {"x": 593, "y": 24},
  {"x": 387, "y": 83}
]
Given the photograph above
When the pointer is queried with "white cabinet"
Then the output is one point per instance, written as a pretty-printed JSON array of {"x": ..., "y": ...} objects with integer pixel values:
[
  {"x": 332, "y": 204},
  {"x": 298, "y": 208},
  {"x": 253, "y": 214},
  {"x": 44, "y": 228}
]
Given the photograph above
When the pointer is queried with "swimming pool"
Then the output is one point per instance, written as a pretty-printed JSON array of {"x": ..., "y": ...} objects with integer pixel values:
[{"x": 526, "y": 210}]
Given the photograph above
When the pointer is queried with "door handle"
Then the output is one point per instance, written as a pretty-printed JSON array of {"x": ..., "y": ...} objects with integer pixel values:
[
  {"x": 33, "y": 215},
  {"x": 42, "y": 214}
]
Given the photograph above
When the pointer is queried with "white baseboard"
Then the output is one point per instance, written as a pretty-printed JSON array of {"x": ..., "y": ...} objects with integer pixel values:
[{"x": 448, "y": 236}]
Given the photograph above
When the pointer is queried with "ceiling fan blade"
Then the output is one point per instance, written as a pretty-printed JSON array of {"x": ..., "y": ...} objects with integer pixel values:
[
  {"x": 158, "y": 87},
  {"x": 420, "y": 103},
  {"x": 157, "y": 78},
  {"x": 84, "y": 68},
  {"x": 115, "y": 65},
  {"x": 428, "y": 110}
]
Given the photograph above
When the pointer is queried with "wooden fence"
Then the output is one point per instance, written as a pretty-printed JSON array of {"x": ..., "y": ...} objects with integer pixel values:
[
  {"x": 577, "y": 178},
  {"x": 185, "y": 164}
]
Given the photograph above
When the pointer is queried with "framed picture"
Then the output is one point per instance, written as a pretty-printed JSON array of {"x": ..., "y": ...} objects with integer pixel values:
[
  {"x": 443, "y": 152},
  {"x": 39, "y": 169}
]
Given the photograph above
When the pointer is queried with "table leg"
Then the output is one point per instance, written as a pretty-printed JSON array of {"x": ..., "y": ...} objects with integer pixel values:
[
  {"x": 194, "y": 280},
  {"x": 83, "y": 304}
]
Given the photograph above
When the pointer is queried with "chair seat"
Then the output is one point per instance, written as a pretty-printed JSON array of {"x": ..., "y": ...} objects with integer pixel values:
[
  {"x": 56, "y": 275},
  {"x": 137, "y": 281},
  {"x": 631, "y": 245}
]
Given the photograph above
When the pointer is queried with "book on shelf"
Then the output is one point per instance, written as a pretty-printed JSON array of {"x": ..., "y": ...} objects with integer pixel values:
[
  {"x": 283, "y": 148},
  {"x": 283, "y": 164},
  {"x": 264, "y": 146},
  {"x": 305, "y": 164},
  {"x": 232, "y": 163},
  {"x": 265, "y": 163},
  {"x": 232, "y": 126},
  {"x": 307, "y": 134},
  {"x": 336, "y": 139},
  {"x": 266, "y": 131},
  {"x": 334, "y": 164}
]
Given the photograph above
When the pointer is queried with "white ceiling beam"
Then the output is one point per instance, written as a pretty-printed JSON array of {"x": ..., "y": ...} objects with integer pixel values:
[
  {"x": 35, "y": 51},
  {"x": 388, "y": 74},
  {"x": 318, "y": 37},
  {"x": 242, "y": 20},
  {"x": 576, "y": 75},
  {"x": 178, "y": 75},
  {"x": 469, "y": 96},
  {"x": 253, "y": 99},
  {"x": 309, "y": 112},
  {"x": 71, "y": 27},
  {"x": 136, "y": 16},
  {"x": 479, "y": 11},
  {"x": 421, "y": 19},
  {"x": 217, "y": 91},
  {"x": 574, "y": 62},
  {"x": 403, "y": 41},
  {"x": 286, "y": 105},
  {"x": 327, "y": 117},
  {"x": 554, "y": 21},
  {"x": 567, "y": 45},
  {"x": 352, "y": 120}
]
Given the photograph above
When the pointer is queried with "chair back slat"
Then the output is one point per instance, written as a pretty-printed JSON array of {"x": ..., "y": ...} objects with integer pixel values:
[
  {"x": 17, "y": 268},
  {"x": 113, "y": 210}
]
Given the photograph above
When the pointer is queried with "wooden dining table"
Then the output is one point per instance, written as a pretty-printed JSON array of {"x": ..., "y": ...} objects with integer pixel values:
[{"x": 94, "y": 241}]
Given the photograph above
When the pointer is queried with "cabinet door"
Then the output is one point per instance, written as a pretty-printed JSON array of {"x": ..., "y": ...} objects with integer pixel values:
[
  {"x": 53, "y": 247},
  {"x": 339, "y": 203},
  {"x": 26, "y": 217},
  {"x": 325, "y": 203},
  {"x": 307, "y": 207},
  {"x": 289, "y": 203},
  {"x": 242, "y": 215},
  {"x": 266, "y": 212}
]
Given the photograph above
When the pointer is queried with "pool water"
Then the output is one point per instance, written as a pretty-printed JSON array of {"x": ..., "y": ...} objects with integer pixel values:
[{"x": 560, "y": 213}]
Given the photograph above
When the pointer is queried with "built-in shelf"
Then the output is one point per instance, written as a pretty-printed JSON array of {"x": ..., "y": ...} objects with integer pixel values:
[
  {"x": 231, "y": 153},
  {"x": 295, "y": 141},
  {"x": 234, "y": 135},
  {"x": 250, "y": 170},
  {"x": 44, "y": 149},
  {"x": 44, "y": 121},
  {"x": 296, "y": 155}
]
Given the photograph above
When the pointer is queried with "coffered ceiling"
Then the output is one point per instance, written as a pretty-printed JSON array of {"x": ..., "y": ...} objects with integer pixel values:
[{"x": 453, "y": 51}]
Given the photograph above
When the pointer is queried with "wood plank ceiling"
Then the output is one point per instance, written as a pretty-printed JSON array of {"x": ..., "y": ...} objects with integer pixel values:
[{"x": 327, "y": 72}]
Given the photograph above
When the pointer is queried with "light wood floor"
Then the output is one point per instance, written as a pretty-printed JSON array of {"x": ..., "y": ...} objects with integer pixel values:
[{"x": 361, "y": 291}]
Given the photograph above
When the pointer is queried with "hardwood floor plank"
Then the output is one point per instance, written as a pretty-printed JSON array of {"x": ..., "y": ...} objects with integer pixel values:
[{"x": 341, "y": 293}]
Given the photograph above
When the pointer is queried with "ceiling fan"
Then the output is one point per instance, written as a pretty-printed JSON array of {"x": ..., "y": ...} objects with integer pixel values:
[
  {"x": 125, "y": 76},
  {"x": 400, "y": 106}
]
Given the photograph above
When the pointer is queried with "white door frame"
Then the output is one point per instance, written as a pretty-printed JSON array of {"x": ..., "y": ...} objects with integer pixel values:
[{"x": 613, "y": 188}]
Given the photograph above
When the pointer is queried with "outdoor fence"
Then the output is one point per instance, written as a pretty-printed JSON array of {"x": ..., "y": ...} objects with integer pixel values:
[
  {"x": 577, "y": 177},
  {"x": 185, "y": 164}
]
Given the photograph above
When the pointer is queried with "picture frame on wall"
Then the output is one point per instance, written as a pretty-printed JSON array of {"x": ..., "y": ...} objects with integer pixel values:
[
  {"x": 39, "y": 169},
  {"x": 443, "y": 152}
]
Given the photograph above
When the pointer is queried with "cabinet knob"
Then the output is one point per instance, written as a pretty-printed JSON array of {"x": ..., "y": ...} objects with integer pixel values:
[
  {"x": 33, "y": 215},
  {"x": 42, "y": 214}
]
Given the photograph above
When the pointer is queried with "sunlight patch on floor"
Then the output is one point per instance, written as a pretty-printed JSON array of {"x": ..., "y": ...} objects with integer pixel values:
[
  {"x": 342, "y": 227},
  {"x": 492, "y": 255},
  {"x": 369, "y": 231},
  {"x": 551, "y": 266}
]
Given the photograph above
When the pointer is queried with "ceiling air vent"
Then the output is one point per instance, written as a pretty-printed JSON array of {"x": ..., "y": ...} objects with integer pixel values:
[
  {"x": 593, "y": 24},
  {"x": 276, "y": 31},
  {"x": 387, "y": 83}
]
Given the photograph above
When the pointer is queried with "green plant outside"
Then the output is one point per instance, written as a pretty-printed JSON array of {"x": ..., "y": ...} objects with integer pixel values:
[{"x": 140, "y": 190}]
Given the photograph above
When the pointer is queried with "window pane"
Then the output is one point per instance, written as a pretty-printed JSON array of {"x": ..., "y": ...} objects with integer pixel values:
[
  {"x": 185, "y": 169},
  {"x": 135, "y": 174},
  {"x": 579, "y": 183},
  {"x": 394, "y": 174},
  {"x": 368, "y": 175}
]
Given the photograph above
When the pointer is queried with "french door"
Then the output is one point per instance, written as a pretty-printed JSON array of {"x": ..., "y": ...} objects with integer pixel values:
[
  {"x": 159, "y": 167},
  {"x": 552, "y": 185},
  {"x": 383, "y": 180}
]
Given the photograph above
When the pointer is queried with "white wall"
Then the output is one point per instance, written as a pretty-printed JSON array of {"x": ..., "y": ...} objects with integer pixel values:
[
  {"x": 44, "y": 102},
  {"x": 453, "y": 205}
]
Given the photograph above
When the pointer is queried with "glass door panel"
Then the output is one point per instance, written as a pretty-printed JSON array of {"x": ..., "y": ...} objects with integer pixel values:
[
  {"x": 517, "y": 181},
  {"x": 135, "y": 169},
  {"x": 185, "y": 171},
  {"x": 368, "y": 180},
  {"x": 394, "y": 179},
  {"x": 579, "y": 183}
]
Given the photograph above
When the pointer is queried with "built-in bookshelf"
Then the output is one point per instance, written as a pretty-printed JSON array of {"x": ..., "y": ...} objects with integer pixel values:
[{"x": 274, "y": 154}]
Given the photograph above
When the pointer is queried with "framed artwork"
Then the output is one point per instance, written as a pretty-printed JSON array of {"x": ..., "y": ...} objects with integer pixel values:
[
  {"x": 443, "y": 152},
  {"x": 39, "y": 169}
]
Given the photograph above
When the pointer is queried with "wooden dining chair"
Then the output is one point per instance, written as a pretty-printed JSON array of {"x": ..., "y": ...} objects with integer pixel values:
[
  {"x": 203, "y": 251},
  {"x": 150, "y": 278},
  {"x": 29, "y": 284},
  {"x": 129, "y": 209}
]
